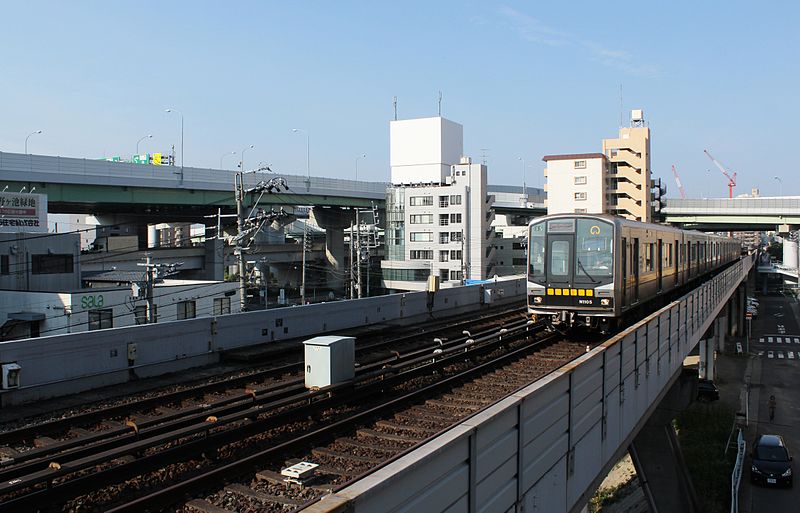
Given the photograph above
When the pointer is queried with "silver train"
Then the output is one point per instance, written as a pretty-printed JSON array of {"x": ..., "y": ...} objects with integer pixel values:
[{"x": 598, "y": 270}]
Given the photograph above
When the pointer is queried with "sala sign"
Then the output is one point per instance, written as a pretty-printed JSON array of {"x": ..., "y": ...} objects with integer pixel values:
[{"x": 89, "y": 302}]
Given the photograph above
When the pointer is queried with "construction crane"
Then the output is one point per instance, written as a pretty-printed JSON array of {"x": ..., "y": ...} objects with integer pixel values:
[
  {"x": 731, "y": 180},
  {"x": 678, "y": 181}
]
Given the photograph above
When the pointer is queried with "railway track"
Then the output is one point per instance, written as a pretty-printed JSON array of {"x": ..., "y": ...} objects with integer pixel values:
[
  {"x": 61, "y": 470},
  {"x": 144, "y": 407},
  {"x": 362, "y": 448}
]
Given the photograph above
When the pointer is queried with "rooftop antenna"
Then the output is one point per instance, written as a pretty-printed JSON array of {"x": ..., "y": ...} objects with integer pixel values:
[
  {"x": 483, "y": 154},
  {"x": 621, "y": 111},
  {"x": 440, "y": 104},
  {"x": 394, "y": 102}
]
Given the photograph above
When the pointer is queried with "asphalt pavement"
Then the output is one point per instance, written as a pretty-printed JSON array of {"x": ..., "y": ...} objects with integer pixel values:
[{"x": 774, "y": 370}]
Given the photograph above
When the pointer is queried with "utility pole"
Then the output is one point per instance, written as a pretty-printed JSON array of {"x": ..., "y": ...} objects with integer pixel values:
[
  {"x": 149, "y": 285},
  {"x": 352, "y": 262},
  {"x": 265, "y": 280},
  {"x": 358, "y": 251},
  {"x": 303, "y": 279},
  {"x": 254, "y": 222},
  {"x": 152, "y": 272},
  {"x": 238, "y": 251}
]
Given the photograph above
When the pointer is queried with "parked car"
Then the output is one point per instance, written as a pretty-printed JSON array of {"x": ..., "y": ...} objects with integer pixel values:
[
  {"x": 772, "y": 463},
  {"x": 707, "y": 391}
]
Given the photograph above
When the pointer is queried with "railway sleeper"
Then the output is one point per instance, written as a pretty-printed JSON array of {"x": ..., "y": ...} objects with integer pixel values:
[
  {"x": 349, "y": 442},
  {"x": 8, "y": 453},
  {"x": 325, "y": 452},
  {"x": 463, "y": 398},
  {"x": 43, "y": 441},
  {"x": 245, "y": 491},
  {"x": 321, "y": 469},
  {"x": 371, "y": 433},
  {"x": 388, "y": 424},
  {"x": 425, "y": 416},
  {"x": 203, "y": 506},
  {"x": 452, "y": 406}
]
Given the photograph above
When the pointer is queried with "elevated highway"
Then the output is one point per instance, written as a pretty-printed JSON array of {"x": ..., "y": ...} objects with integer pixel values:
[
  {"x": 76, "y": 185},
  {"x": 738, "y": 214}
]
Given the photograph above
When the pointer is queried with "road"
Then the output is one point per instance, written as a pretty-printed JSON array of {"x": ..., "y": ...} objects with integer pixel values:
[{"x": 776, "y": 371}]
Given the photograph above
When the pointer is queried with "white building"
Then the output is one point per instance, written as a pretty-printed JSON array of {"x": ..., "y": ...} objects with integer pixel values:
[
  {"x": 438, "y": 210},
  {"x": 26, "y": 314},
  {"x": 576, "y": 183},
  {"x": 42, "y": 291}
]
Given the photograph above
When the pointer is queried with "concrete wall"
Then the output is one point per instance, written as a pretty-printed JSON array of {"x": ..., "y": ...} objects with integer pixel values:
[
  {"x": 21, "y": 248},
  {"x": 66, "y": 364},
  {"x": 547, "y": 447}
]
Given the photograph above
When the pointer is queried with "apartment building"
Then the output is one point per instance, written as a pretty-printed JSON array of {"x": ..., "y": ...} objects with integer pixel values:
[
  {"x": 616, "y": 181},
  {"x": 438, "y": 213},
  {"x": 628, "y": 182},
  {"x": 576, "y": 183}
]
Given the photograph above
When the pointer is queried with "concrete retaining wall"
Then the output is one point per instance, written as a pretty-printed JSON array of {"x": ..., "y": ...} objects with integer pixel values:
[{"x": 66, "y": 364}]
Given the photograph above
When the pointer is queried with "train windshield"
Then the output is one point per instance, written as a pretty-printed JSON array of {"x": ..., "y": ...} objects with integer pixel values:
[
  {"x": 593, "y": 250},
  {"x": 536, "y": 252}
]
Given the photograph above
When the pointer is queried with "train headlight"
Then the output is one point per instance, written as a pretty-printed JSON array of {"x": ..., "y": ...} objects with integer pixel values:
[
  {"x": 605, "y": 302},
  {"x": 537, "y": 299}
]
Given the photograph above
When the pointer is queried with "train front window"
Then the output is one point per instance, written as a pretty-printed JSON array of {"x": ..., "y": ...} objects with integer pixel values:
[
  {"x": 593, "y": 250},
  {"x": 559, "y": 258},
  {"x": 536, "y": 252}
]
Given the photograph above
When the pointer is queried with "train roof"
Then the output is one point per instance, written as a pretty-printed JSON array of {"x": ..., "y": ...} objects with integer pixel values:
[{"x": 621, "y": 222}]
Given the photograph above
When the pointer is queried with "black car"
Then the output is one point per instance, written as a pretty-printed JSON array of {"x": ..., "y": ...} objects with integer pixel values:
[
  {"x": 772, "y": 463},
  {"x": 707, "y": 391}
]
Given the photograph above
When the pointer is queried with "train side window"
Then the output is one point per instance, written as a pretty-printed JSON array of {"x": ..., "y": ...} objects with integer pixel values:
[{"x": 648, "y": 257}]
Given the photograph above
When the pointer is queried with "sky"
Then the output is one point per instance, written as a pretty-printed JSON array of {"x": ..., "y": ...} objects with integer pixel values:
[{"x": 525, "y": 79}]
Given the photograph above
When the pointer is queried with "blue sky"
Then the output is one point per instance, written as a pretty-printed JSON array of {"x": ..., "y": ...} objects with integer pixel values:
[{"x": 525, "y": 79}]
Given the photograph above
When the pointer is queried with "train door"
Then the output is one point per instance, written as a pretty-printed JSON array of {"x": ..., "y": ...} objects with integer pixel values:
[
  {"x": 635, "y": 268},
  {"x": 660, "y": 265},
  {"x": 623, "y": 251},
  {"x": 559, "y": 265},
  {"x": 674, "y": 251}
]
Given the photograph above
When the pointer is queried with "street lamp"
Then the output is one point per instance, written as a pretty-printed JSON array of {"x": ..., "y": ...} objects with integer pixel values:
[
  {"x": 780, "y": 185},
  {"x": 362, "y": 156},
  {"x": 149, "y": 136},
  {"x": 308, "y": 158},
  {"x": 181, "y": 114},
  {"x": 241, "y": 162},
  {"x": 26, "y": 139},
  {"x": 524, "y": 179},
  {"x": 223, "y": 156}
]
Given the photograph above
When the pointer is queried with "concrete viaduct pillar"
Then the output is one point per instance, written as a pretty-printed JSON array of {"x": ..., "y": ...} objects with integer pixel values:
[
  {"x": 712, "y": 342},
  {"x": 334, "y": 221},
  {"x": 657, "y": 455}
]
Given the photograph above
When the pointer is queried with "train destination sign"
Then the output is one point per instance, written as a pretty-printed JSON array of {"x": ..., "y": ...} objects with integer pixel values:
[{"x": 20, "y": 212}]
